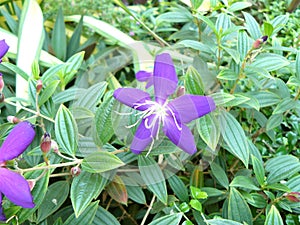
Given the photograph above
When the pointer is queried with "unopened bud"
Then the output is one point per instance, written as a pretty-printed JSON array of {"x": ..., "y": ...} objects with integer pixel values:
[
  {"x": 292, "y": 196},
  {"x": 2, "y": 164},
  {"x": 39, "y": 86},
  {"x": 54, "y": 146},
  {"x": 1, "y": 83},
  {"x": 13, "y": 119},
  {"x": 75, "y": 171},
  {"x": 46, "y": 142},
  {"x": 180, "y": 91},
  {"x": 31, "y": 184},
  {"x": 257, "y": 43}
]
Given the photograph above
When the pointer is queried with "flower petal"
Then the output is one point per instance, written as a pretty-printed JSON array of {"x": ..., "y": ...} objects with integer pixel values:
[
  {"x": 17, "y": 141},
  {"x": 190, "y": 107},
  {"x": 15, "y": 188},
  {"x": 3, "y": 48},
  {"x": 2, "y": 216},
  {"x": 143, "y": 136},
  {"x": 164, "y": 77},
  {"x": 143, "y": 75},
  {"x": 131, "y": 96},
  {"x": 183, "y": 138}
]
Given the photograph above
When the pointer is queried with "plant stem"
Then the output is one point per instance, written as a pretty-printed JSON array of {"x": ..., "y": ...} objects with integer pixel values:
[
  {"x": 52, "y": 166},
  {"x": 148, "y": 211}
]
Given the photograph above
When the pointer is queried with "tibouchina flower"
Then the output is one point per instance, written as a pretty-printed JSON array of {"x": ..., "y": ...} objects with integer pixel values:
[
  {"x": 3, "y": 49},
  {"x": 172, "y": 115},
  {"x": 13, "y": 185}
]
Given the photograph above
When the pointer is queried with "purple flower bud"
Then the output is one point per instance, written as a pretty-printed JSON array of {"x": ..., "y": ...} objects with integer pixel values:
[
  {"x": 46, "y": 142},
  {"x": 39, "y": 86},
  {"x": 1, "y": 83},
  {"x": 292, "y": 196},
  {"x": 264, "y": 38},
  {"x": 180, "y": 91}
]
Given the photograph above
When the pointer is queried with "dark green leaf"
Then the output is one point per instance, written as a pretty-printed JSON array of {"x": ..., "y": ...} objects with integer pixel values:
[
  {"x": 273, "y": 217},
  {"x": 222, "y": 222},
  {"x": 243, "y": 182},
  {"x": 136, "y": 194},
  {"x": 219, "y": 174},
  {"x": 243, "y": 45},
  {"x": 59, "y": 39},
  {"x": 85, "y": 218},
  {"x": 173, "y": 219},
  {"x": 104, "y": 217},
  {"x": 48, "y": 92},
  {"x": 274, "y": 121},
  {"x": 298, "y": 65},
  {"x": 177, "y": 186},
  {"x": 258, "y": 170},
  {"x": 257, "y": 200},
  {"x": 74, "y": 42}
]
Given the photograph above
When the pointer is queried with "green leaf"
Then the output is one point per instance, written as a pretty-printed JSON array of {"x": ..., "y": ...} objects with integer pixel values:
[
  {"x": 268, "y": 29},
  {"x": 71, "y": 67},
  {"x": 270, "y": 61},
  {"x": 136, "y": 194},
  {"x": 237, "y": 6},
  {"x": 243, "y": 182},
  {"x": 173, "y": 219},
  {"x": 278, "y": 187},
  {"x": 221, "y": 98},
  {"x": 258, "y": 170},
  {"x": 282, "y": 167},
  {"x": 223, "y": 23},
  {"x": 233, "y": 54},
  {"x": 209, "y": 130},
  {"x": 193, "y": 82},
  {"x": 177, "y": 186},
  {"x": 208, "y": 22},
  {"x": 11, "y": 22},
  {"x": 195, "y": 204},
  {"x": 284, "y": 105},
  {"x": 153, "y": 177},
  {"x": 196, "y": 3},
  {"x": 279, "y": 22},
  {"x": 29, "y": 45},
  {"x": 212, "y": 192},
  {"x": 174, "y": 17},
  {"x": 84, "y": 189},
  {"x": 56, "y": 195},
  {"x": 222, "y": 222},
  {"x": 294, "y": 183},
  {"x": 219, "y": 174},
  {"x": 298, "y": 65},
  {"x": 59, "y": 39},
  {"x": 15, "y": 69},
  {"x": 86, "y": 217},
  {"x": 266, "y": 98},
  {"x": 243, "y": 45},
  {"x": 274, "y": 121},
  {"x": 252, "y": 26},
  {"x": 257, "y": 200},
  {"x": 99, "y": 162},
  {"x": 234, "y": 137},
  {"x": 103, "y": 121},
  {"x": 293, "y": 81},
  {"x": 238, "y": 209},
  {"x": 74, "y": 42},
  {"x": 197, "y": 193},
  {"x": 196, "y": 45},
  {"x": 48, "y": 92},
  {"x": 104, "y": 217},
  {"x": 66, "y": 132},
  {"x": 273, "y": 217},
  {"x": 227, "y": 74}
]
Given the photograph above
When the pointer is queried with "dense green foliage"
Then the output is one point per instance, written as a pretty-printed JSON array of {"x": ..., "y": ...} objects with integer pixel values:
[{"x": 246, "y": 169}]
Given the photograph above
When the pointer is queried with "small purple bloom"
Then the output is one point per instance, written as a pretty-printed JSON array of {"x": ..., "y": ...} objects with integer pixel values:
[
  {"x": 173, "y": 115},
  {"x": 13, "y": 185},
  {"x": 3, "y": 49}
]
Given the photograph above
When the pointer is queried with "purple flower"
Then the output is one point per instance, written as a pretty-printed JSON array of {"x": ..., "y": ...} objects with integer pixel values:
[
  {"x": 13, "y": 185},
  {"x": 173, "y": 115},
  {"x": 3, "y": 49}
]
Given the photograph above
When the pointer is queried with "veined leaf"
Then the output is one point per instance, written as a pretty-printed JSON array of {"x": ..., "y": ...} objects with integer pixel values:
[
  {"x": 59, "y": 39},
  {"x": 173, "y": 219},
  {"x": 252, "y": 26},
  {"x": 273, "y": 217},
  {"x": 219, "y": 174},
  {"x": 104, "y": 217},
  {"x": 258, "y": 170},
  {"x": 234, "y": 137},
  {"x": 117, "y": 190}
]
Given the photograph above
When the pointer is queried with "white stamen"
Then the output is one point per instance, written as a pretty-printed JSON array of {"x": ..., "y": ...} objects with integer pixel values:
[{"x": 175, "y": 120}]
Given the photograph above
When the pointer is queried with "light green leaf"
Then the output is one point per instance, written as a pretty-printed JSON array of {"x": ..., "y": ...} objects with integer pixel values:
[
  {"x": 85, "y": 218},
  {"x": 219, "y": 173},
  {"x": 279, "y": 22},
  {"x": 221, "y": 98},
  {"x": 208, "y": 22},
  {"x": 274, "y": 121},
  {"x": 282, "y": 167},
  {"x": 84, "y": 189},
  {"x": 243, "y": 45},
  {"x": 298, "y": 65},
  {"x": 173, "y": 219},
  {"x": 284, "y": 105},
  {"x": 252, "y": 26},
  {"x": 47, "y": 92},
  {"x": 56, "y": 195},
  {"x": 258, "y": 170},
  {"x": 104, "y": 217},
  {"x": 238, "y": 209},
  {"x": 99, "y": 162},
  {"x": 243, "y": 182},
  {"x": 268, "y": 29},
  {"x": 234, "y": 137},
  {"x": 174, "y": 17},
  {"x": 270, "y": 61},
  {"x": 227, "y": 74},
  {"x": 196, "y": 45},
  {"x": 66, "y": 131},
  {"x": 273, "y": 217},
  {"x": 237, "y": 6},
  {"x": 223, "y": 23},
  {"x": 233, "y": 54},
  {"x": 294, "y": 81},
  {"x": 193, "y": 82},
  {"x": 153, "y": 177},
  {"x": 71, "y": 67},
  {"x": 59, "y": 39},
  {"x": 209, "y": 131},
  {"x": 266, "y": 98}
]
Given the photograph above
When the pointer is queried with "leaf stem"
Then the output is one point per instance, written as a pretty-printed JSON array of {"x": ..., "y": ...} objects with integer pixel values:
[
  {"x": 52, "y": 166},
  {"x": 148, "y": 210}
]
